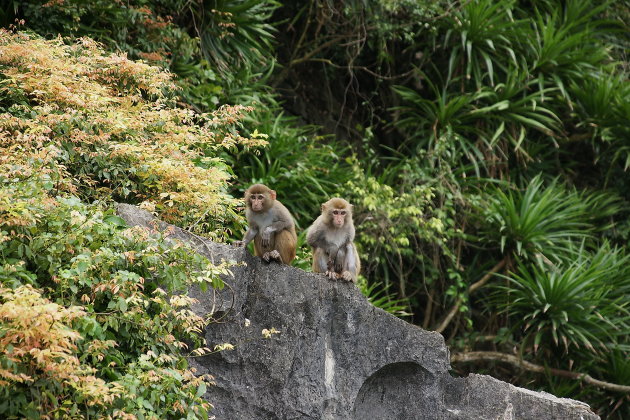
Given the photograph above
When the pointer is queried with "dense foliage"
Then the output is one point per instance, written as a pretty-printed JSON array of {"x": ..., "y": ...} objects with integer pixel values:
[
  {"x": 484, "y": 144},
  {"x": 500, "y": 128},
  {"x": 87, "y": 328},
  {"x": 111, "y": 130},
  {"x": 91, "y": 324}
]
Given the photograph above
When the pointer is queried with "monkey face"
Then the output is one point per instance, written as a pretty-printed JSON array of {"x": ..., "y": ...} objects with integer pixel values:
[
  {"x": 257, "y": 202},
  {"x": 339, "y": 218},
  {"x": 259, "y": 198}
]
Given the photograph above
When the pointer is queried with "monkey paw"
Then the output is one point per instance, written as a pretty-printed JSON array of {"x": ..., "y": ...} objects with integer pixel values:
[
  {"x": 238, "y": 243},
  {"x": 347, "y": 276},
  {"x": 271, "y": 255},
  {"x": 332, "y": 275}
]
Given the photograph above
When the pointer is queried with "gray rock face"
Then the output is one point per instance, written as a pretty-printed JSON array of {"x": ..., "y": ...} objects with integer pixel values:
[{"x": 337, "y": 356}]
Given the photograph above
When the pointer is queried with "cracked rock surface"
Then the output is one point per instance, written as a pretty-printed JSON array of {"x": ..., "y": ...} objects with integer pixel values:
[{"x": 337, "y": 356}]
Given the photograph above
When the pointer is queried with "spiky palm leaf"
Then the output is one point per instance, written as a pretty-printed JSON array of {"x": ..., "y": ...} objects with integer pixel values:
[
  {"x": 234, "y": 32},
  {"x": 541, "y": 223},
  {"x": 481, "y": 36},
  {"x": 577, "y": 304}
]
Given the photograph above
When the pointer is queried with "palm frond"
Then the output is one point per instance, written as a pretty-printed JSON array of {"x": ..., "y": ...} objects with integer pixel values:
[
  {"x": 571, "y": 305},
  {"x": 541, "y": 223}
]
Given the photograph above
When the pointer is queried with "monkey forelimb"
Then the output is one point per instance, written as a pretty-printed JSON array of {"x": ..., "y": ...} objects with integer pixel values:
[
  {"x": 340, "y": 259},
  {"x": 330, "y": 264},
  {"x": 249, "y": 236},
  {"x": 266, "y": 237}
]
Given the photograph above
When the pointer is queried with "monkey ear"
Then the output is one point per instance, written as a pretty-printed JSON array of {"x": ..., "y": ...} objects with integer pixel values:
[
  {"x": 272, "y": 193},
  {"x": 323, "y": 207}
]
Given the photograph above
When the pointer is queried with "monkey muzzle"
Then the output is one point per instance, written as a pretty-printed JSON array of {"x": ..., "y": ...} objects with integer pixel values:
[{"x": 257, "y": 205}]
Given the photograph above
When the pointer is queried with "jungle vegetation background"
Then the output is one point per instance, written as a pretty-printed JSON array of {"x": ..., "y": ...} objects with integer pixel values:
[{"x": 484, "y": 144}]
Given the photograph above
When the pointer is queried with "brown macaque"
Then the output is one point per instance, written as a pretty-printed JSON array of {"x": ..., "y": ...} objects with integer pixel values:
[
  {"x": 332, "y": 239},
  {"x": 270, "y": 226}
]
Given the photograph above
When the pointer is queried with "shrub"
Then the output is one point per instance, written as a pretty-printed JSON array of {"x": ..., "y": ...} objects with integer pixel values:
[
  {"x": 113, "y": 129},
  {"x": 83, "y": 306}
]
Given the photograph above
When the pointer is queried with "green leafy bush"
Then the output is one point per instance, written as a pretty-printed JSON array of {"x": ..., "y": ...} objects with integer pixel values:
[
  {"x": 87, "y": 328},
  {"x": 395, "y": 226}
]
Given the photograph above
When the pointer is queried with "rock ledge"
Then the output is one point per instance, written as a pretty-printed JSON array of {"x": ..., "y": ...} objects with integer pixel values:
[{"x": 337, "y": 356}]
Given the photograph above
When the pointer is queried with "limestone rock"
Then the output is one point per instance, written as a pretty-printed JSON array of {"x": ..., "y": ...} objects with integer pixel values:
[{"x": 337, "y": 356}]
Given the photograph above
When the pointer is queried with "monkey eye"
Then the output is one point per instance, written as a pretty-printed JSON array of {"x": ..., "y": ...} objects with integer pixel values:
[{"x": 341, "y": 212}]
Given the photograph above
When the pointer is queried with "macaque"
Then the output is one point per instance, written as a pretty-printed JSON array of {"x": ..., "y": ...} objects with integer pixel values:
[
  {"x": 332, "y": 239},
  {"x": 270, "y": 225}
]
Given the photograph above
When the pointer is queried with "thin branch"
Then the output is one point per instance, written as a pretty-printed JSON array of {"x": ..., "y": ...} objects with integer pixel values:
[
  {"x": 449, "y": 317},
  {"x": 488, "y": 276},
  {"x": 494, "y": 356},
  {"x": 363, "y": 68},
  {"x": 315, "y": 50},
  {"x": 429, "y": 309},
  {"x": 303, "y": 36},
  {"x": 450, "y": 10}
]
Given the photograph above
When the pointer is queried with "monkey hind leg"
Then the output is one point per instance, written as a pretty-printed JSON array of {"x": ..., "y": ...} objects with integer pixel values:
[
  {"x": 352, "y": 264},
  {"x": 285, "y": 243},
  {"x": 358, "y": 261}
]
